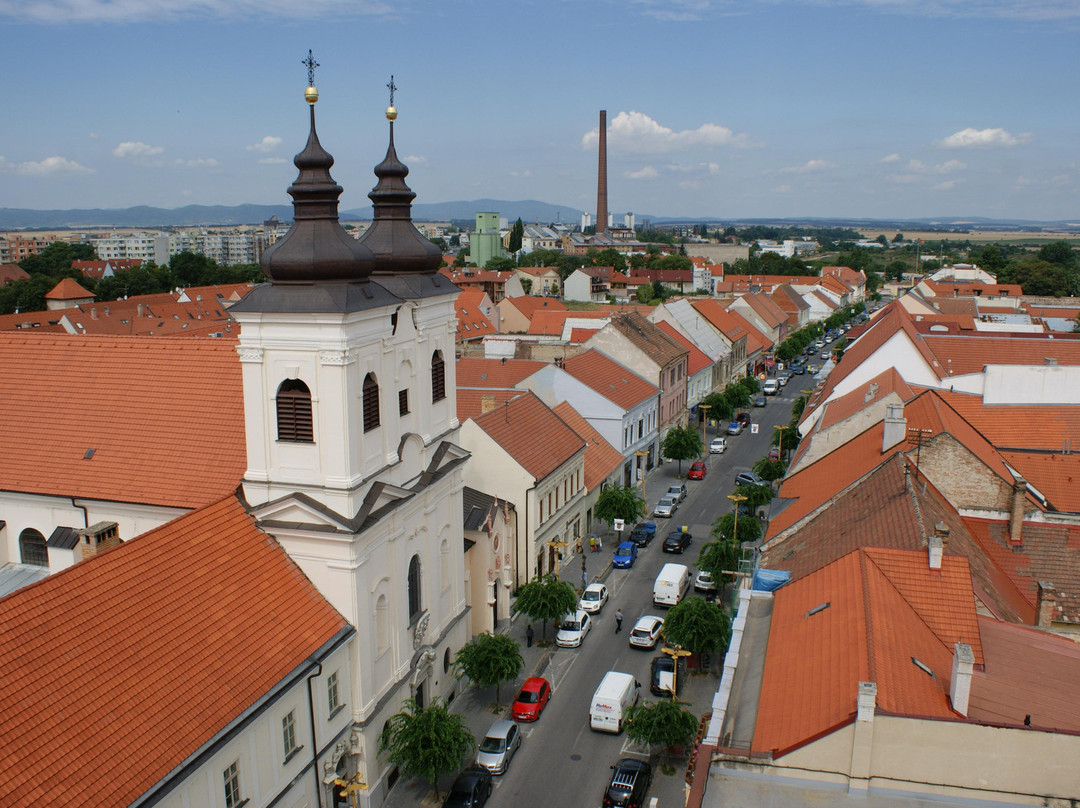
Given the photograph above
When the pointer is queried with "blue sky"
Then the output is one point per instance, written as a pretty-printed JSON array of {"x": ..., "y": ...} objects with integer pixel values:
[{"x": 775, "y": 108}]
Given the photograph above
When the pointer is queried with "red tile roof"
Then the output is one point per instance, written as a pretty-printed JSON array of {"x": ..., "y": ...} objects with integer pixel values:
[
  {"x": 115, "y": 396},
  {"x": 610, "y": 379},
  {"x": 529, "y": 305},
  {"x": 647, "y": 338},
  {"x": 518, "y": 426},
  {"x": 766, "y": 309},
  {"x": 724, "y": 321},
  {"x": 1006, "y": 425},
  {"x": 470, "y": 403},
  {"x": 67, "y": 289},
  {"x": 1055, "y": 475},
  {"x": 755, "y": 340},
  {"x": 12, "y": 272},
  {"x": 873, "y": 391},
  {"x": 145, "y": 653},
  {"x": 698, "y": 360},
  {"x": 601, "y": 458},
  {"x": 472, "y": 324},
  {"x": 475, "y": 371},
  {"x": 964, "y": 354}
]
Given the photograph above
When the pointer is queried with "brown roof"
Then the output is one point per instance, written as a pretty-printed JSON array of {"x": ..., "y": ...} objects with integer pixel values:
[
  {"x": 766, "y": 309},
  {"x": 12, "y": 272},
  {"x": 607, "y": 377},
  {"x": 755, "y": 340},
  {"x": 67, "y": 289},
  {"x": 164, "y": 418},
  {"x": 698, "y": 360},
  {"x": 601, "y": 458},
  {"x": 475, "y": 371},
  {"x": 532, "y": 434},
  {"x": 145, "y": 653},
  {"x": 647, "y": 338}
]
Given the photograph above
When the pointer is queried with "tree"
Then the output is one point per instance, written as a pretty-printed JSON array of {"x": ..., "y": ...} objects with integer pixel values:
[
  {"x": 526, "y": 285},
  {"x": 697, "y": 626},
  {"x": 661, "y": 723},
  {"x": 56, "y": 258},
  {"x": 427, "y": 743},
  {"x": 719, "y": 407},
  {"x": 619, "y": 502},
  {"x": 545, "y": 598},
  {"x": 896, "y": 269},
  {"x": 499, "y": 264},
  {"x": 737, "y": 396},
  {"x": 1056, "y": 252},
  {"x": 720, "y": 556},
  {"x": 517, "y": 232},
  {"x": 751, "y": 384},
  {"x": 681, "y": 443},
  {"x": 540, "y": 258},
  {"x": 898, "y": 238},
  {"x": 440, "y": 243},
  {"x": 723, "y": 529},
  {"x": 757, "y": 496},
  {"x": 489, "y": 660},
  {"x": 786, "y": 439}
]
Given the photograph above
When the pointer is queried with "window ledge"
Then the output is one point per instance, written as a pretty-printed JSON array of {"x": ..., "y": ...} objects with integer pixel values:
[
  {"x": 289, "y": 757},
  {"x": 336, "y": 710}
]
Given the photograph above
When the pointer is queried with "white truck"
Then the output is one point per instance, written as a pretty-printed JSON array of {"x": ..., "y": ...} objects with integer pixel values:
[
  {"x": 617, "y": 693},
  {"x": 671, "y": 584}
]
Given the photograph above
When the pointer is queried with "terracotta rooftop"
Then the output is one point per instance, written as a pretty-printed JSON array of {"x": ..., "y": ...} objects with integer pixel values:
[
  {"x": 67, "y": 289},
  {"x": 472, "y": 323},
  {"x": 610, "y": 379},
  {"x": 647, "y": 338},
  {"x": 12, "y": 272},
  {"x": 537, "y": 272},
  {"x": 475, "y": 371},
  {"x": 601, "y": 458},
  {"x": 961, "y": 354},
  {"x": 529, "y": 305},
  {"x": 516, "y": 425},
  {"x": 724, "y": 321},
  {"x": 755, "y": 340},
  {"x": 470, "y": 402},
  {"x": 697, "y": 361},
  {"x": 195, "y": 620},
  {"x": 873, "y": 391},
  {"x": 1055, "y": 475},
  {"x": 766, "y": 309},
  {"x": 1004, "y": 425},
  {"x": 107, "y": 401}
]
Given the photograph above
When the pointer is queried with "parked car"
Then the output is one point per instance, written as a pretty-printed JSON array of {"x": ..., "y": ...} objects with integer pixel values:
[
  {"x": 531, "y": 699},
  {"x": 646, "y": 631},
  {"x": 677, "y": 491},
  {"x": 783, "y": 378},
  {"x": 643, "y": 533},
  {"x": 666, "y": 507},
  {"x": 703, "y": 582},
  {"x": 760, "y": 401},
  {"x": 501, "y": 741},
  {"x": 718, "y": 446},
  {"x": 573, "y": 629},
  {"x": 771, "y": 387},
  {"x": 749, "y": 478},
  {"x": 677, "y": 541},
  {"x": 774, "y": 453},
  {"x": 471, "y": 789},
  {"x": 799, "y": 370},
  {"x": 630, "y": 780},
  {"x": 825, "y": 355},
  {"x": 734, "y": 428},
  {"x": 743, "y": 418},
  {"x": 813, "y": 370},
  {"x": 660, "y": 684},
  {"x": 593, "y": 598},
  {"x": 625, "y": 555},
  {"x": 697, "y": 471}
]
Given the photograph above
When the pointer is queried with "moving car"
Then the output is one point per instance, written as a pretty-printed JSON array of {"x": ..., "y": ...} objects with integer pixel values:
[
  {"x": 734, "y": 428},
  {"x": 625, "y": 555},
  {"x": 677, "y": 491},
  {"x": 665, "y": 507},
  {"x": 471, "y": 789},
  {"x": 661, "y": 672},
  {"x": 646, "y": 631},
  {"x": 749, "y": 478},
  {"x": 718, "y": 446},
  {"x": 573, "y": 629},
  {"x": 697, "y": 471},
  {"x": 760, "y": 401},
  {"x": 643, "y": 533},
  {"x": 703, "y": 582},
  {"x": 594, "y": 597},
  {"x": 630, "y": 780},
  {"x": 677, "y": 541},
  {"x": 771, "y": 387},
  {"x": 743, "y": 418},
  {"x": 501, "y": 741},
  {"x": 531, "y": 699}
]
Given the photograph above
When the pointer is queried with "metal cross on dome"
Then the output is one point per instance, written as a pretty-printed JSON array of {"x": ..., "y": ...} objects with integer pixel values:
[
  {"x": 392, "y": 88},
  {"x": 311, "y": 65}
]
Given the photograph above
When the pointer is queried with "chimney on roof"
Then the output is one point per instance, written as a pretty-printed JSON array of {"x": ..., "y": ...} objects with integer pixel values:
[
  {"x": 1045, "y": 605},
  {"x": 97, "y": 538},
  {"x": 93, "y": 312},
  {"x": 894, "y": 429},
  {"x": 1016, "y": 516},
  {"x": 936, "y": 549},
  {"x": 963, "y": 663},
  {"x": 487, "y": 403},
  {"x": 138, "y": 310}
]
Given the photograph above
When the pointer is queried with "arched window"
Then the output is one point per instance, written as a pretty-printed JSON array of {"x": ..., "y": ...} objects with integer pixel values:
[
  {"x": 438, "y": 377},
  {"x": 371, "y": 402},
  {"x": 294, "y": 412},
  {"x": 32, "y": 549},
  {"x": 414, "y": 589},
  {"x": 382, "y": 624}
]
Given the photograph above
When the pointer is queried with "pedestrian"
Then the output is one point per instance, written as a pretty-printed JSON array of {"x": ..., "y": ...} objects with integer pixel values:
[
  {"x": 599, "y": 544},
  {"x": 618, "y": 620},
  {"x": 579, "y": 545},
  {"x": 528, "y": 636},
  {"x": 584, "y": 579},
  {"x": 592, "y": 544}
]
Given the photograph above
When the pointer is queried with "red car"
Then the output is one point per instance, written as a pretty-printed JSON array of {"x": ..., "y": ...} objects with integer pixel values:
[
  {"x": 533, "y": 698},
  {"x": 697, "y": 471}
]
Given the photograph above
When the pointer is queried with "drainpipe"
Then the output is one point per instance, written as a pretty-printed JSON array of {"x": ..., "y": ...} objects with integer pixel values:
[
  {"x": 314, "y": 737},
  {"x": 85, "y": 515}
]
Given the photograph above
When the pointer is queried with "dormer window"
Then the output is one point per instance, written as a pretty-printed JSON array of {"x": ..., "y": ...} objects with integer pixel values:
[
  {"x": 371, "y": 403},
  {"x": 294, "y": 412}
]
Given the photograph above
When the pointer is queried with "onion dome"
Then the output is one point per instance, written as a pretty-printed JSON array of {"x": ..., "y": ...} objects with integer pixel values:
[
  {"x": 317, "y": 248},
  {"x": 399, "y": 248}
]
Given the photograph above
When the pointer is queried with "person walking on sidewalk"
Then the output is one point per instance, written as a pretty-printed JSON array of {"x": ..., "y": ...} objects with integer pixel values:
[
  {"x": 618, "y": 620},
  {"x": 528, "y": 636},
  {"x": 592, "y": 544}
]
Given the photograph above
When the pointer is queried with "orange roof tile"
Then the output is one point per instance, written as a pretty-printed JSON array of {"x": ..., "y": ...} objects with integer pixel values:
[
  {"x": 607, "y": 377},
  {"x": 475, "y": 371},
  {"x": 1055, "y": 475},
  {"x": 1002, "y": 424},
  {"x": 755, "y": 340},
  {"x": 698, "y": 360},
  {"x": 113, "y": 396},
  {"x": 966, "y": 354},
  {"x": 516, "y": 425},
  {"x": 12, "y": 272},
  {"x": 196, "y": 621},
  {"x": 67, "y": 289},
  {"x": 580, "y": 335},
  {"x": 601, "y": 458},
  {"x": 529, "y": 305},
  {"x": 724, "y": 321},
  {"x": 470, "y": 403},
  {"x": 882, "y": 385},
  {"x": 472, "y": 322}
]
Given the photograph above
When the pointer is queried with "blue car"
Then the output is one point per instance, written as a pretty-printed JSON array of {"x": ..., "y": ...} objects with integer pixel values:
[{"x": 625, "y": 555}]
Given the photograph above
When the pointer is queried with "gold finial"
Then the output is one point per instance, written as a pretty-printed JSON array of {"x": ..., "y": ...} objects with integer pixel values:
[
  {"x": 391, "y": 112},
  {"x": 311, "y": 95}
]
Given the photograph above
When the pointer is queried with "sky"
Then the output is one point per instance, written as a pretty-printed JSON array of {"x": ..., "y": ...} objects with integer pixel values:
[{"x": 720, "y": 109}]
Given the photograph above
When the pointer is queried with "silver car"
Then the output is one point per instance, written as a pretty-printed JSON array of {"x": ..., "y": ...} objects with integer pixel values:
[
  {"x": 501, "y": 741},
  {"x": 665, "y": 507}
]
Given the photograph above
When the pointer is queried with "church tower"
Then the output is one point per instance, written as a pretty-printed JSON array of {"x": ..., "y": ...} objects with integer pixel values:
[{"x": 353, "y": 461}]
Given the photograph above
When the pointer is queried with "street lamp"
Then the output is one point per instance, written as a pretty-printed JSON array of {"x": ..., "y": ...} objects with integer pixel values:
[
  {"x": 737, "y": 499},
  {"x": 780, "y": 428},
  {"x": 675, "y": 652},
  {"x": 704, "y": 422}
]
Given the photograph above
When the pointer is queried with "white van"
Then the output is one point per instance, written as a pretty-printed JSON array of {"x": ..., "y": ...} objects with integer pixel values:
[
  {"x": 771, "y": 387},
  {"x": 671, "y": 584},
  {"x": 617, "y": 693}
]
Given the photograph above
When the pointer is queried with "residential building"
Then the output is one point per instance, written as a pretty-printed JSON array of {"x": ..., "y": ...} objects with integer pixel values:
[
  {"x": 486, "y": 242},
  {"x": 516, "y": 313}
]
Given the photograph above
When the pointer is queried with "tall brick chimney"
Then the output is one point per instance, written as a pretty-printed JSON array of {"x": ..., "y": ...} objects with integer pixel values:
[
  {"x": 99, "y": 536},
  {"x": 601, "y": 178},
  {"x": 1016, "y": 516}
]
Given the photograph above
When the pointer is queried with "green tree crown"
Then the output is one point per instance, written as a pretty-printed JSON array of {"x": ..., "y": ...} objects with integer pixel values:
[{"x": 427, "y": 743}]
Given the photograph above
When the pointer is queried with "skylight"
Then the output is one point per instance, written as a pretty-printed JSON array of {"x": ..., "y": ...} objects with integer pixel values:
[
  {"x": 923, "y": 667},
  {"x": 817, "y": 609}
]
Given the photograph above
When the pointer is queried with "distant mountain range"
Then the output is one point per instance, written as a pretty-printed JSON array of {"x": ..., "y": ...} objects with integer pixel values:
[{"x": 529, "y": 211}]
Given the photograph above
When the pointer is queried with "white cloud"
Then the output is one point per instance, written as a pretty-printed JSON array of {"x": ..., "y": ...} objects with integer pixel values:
[
  {"x": 782, "y": 189},
  {"x": 674, "y": 10},
  {"x": 134, "y": 148},
  {"x": 636, "y": 132},
  {"x": 200, "y": 162},
  {"x": 125, "y": 11},
  {"x": 919, "y": 167},
  {"x": 272, "y": 160},
  {"x": 50, "y": 166},
  {"x": 892, "y": 158},
  {"x": 948, "y": 185},
  {"x": 690, "y": 185},
  {"x": 268, "y": 144},
  {"x": 523, "y": 173},
  {"x": 979, "y": 138},
  {"x": 415, "y": 159},
  {"x": 809, "y": 167},
  {"x": 646, "y": 173}
]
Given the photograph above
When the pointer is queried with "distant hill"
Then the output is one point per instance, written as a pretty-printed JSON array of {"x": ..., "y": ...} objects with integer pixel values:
[
  {"x": 142, "y": 216},
  {"x": 529, "y": 211}
]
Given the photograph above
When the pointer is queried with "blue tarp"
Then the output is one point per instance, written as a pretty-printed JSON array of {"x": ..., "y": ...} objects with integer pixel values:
[{"x": 770, "y": 580}]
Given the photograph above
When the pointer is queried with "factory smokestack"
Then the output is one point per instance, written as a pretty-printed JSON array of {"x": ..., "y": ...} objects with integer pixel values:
[{"x": 601, "y": 178}]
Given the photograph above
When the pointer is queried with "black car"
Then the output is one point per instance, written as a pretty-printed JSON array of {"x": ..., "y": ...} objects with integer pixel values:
[
  {"x": 798, "y": 370},
  {"x": 471, "y": 789},
  {"x": 677, "y": 541},
  {"x": 642, "y": 533},
  {"x": 665, "y": 664},
  {"x": 630, "y": 780}
]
